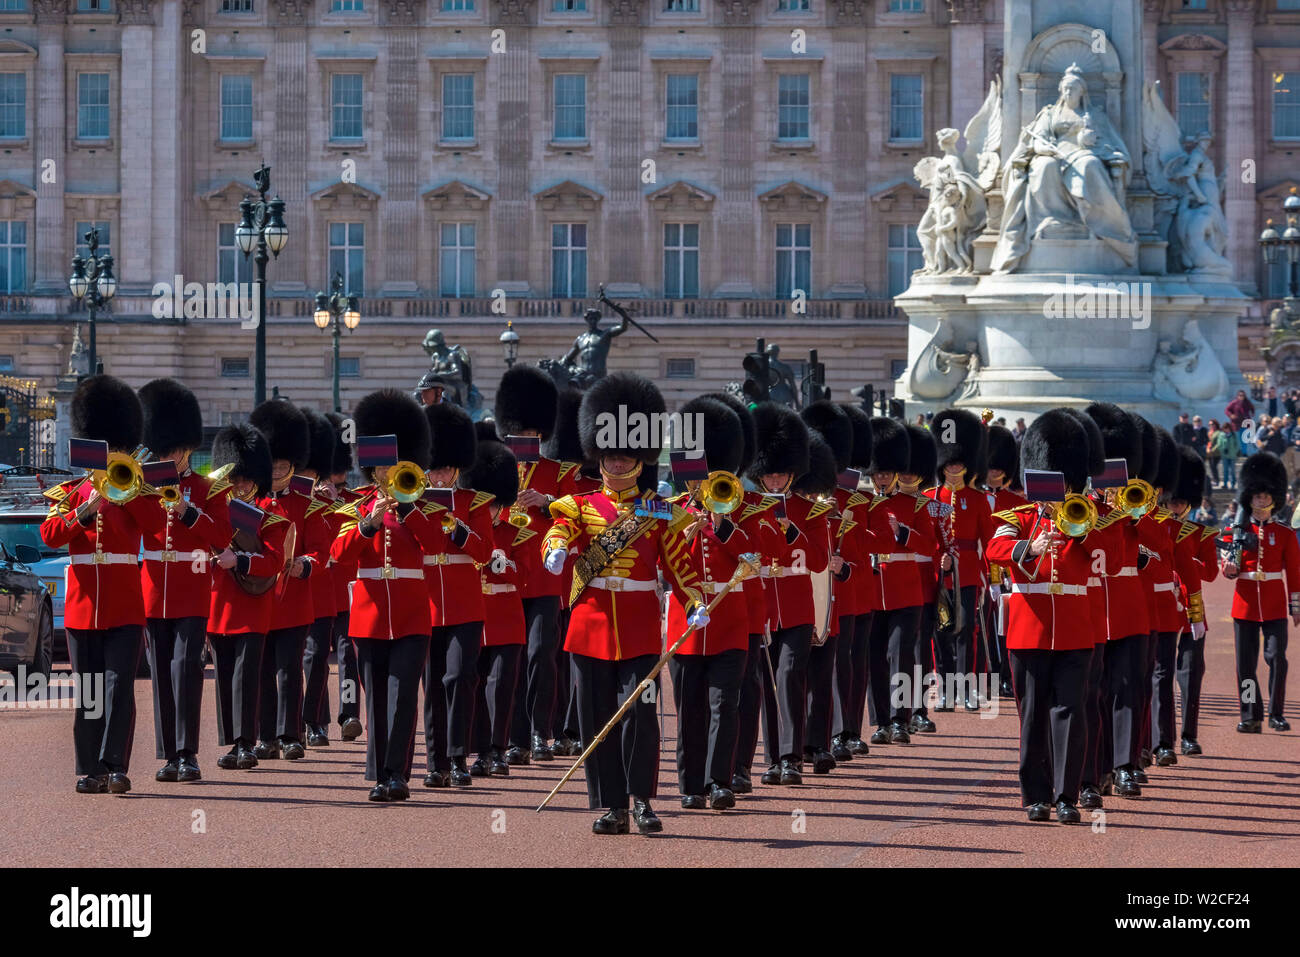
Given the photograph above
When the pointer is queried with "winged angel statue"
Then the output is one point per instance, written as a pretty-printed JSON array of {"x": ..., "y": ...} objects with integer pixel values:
[
  {"x": 958, "y": 212},
  {"x": 1189, "y": 196}
]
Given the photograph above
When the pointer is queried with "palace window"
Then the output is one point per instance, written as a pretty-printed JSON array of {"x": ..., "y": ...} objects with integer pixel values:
[
  {"x": 793, "y": 109},
  {"x": 682, "y": 260},
  {"x": 904, "y": 257},
  {"x": 348, "y": 256},
  {"x": 232, "y": 264},
  {"x": 784, "y": 5},
  {"x": 348, "y": 6},
  {"x": 92, "y": 106},
  {"x": 570, "y": 106},
  {"x": 105, "y": 237},
  {"x": 568, "y": 6},
  {"x": 458, "y": 106},
  {"x": 1286, "y": 106},
  {"x": 569, "y": 260},
  {"x": 13, "y": 256},
  {"x": 1193, "y": 103},
  {"x": 682, "y": 6},
  {"x": 13, "y": 106},
  {"x": 234, "y": 369},
  {"x": 456, "y": 261},
  {"x": 457, "y": 6},
  {"x": 236, "y": 6},
  {"x": 793, "y": 258},
  {"x": 237, "y": 107},
  {"x": 683, "y": 106},
  {"x": 345, "y": 102},
  {"x": 905, "y": 107},
  {"x": 906, "y": 6}
]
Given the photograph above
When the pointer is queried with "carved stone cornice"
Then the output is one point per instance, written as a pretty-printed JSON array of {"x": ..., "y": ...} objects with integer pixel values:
[
  {"x": 625, "y": 13},
  {"x": 191, "y": 12},
  {"x": 402, "y": 12},
  {"x": 1152, "y": 9},
  {"x": 737, "y": 12},
  {"x": 134, "y": 13},
  {"x": 291, "y": 12},
  {"x": 521, "y": 12},
  {"x": 966, "y": 11},
  {"x": 1239, "y": 9},
  {"x": 850, "y": 12},
  {"x": 51, "y": 11}
]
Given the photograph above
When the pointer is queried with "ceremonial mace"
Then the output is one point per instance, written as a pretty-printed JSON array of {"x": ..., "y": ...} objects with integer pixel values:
[{"x": 749, "y": 563}]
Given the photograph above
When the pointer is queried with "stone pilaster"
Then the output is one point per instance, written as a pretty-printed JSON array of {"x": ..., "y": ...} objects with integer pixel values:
[
  {"x": 170, "y": 175},
  {"x": 52, "y": 233},
  {"x": 624, "y": 221},
  {"x": 1150, "y": 42},
  {"x": 966, "y": 59},
  {"x": 849, "y": 150},
  {"x": 512, "y": 207},
  {"x": 736, "y": 224},
  {"x": 134, "y": 250},
  {"x": 1240, "y": 142},
  {"x": 401, "y": 148},
  {"x": 289, "y": 69}
]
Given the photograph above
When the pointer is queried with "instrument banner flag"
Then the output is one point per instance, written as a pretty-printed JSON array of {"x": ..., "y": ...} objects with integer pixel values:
[
  {"x": 246, "y": 518},
  {"x": 525, "y": 448},
  {"x": 159, "y": 474},
  {"x": 376, "y": 451},
  {"x": 688, "y": 466},
  {"x": 87, "y": 454},
  {"x": 1042, "y": 486},
  {"x": 1114, "y": 476}
]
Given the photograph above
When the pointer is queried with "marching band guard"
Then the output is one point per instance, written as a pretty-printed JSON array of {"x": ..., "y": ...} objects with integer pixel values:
[
  {"x": 104, "y": 604},
  {"x": 496, "y": 472},
  {"x": 390, "y": 618},
  {"x": 279, "y": 724},
  {"x": 243, "y": 593},
  {"x": 177, "y": 588},
  {"x": 455, "y": 594},
  {"x": 707, "y": 670},
  {"x": 1151, "y": 538},
  {"x": 1049, "y": 632},
  {"x": 1264, "y": 554},
  {"x": 1003, "y": 467},
  {"x": 316, "y": 650},
  {"x": 959, "y": 435},
  {"x": 853, "y": 598},
  {"x": 620, "y": 535},
  {"x": 525, "y": 405}
]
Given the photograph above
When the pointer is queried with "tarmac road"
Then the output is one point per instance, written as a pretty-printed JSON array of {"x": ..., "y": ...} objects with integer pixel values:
[{"x": 949, "y": 799}]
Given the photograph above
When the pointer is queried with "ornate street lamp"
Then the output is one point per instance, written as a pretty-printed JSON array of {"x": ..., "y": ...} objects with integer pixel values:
[
  {"x": 331, "y": 309},
  {"x": 261, "y": 227},
  {"x": 93, "y": 283},
  {"x": 1277, "y": 245},
  {"x": 510, "y": 344}
]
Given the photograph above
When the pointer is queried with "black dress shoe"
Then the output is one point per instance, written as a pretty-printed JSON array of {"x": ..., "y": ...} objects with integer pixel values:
[
  {"x": 943, "y": 704},
  {"x": 517, "y": 756},
  {"x": 293, "y": 750},
  {"x": 880, "y": 736},
  {"x": 1250, "y": 727},
  {"x": 921, "y": 724},
  {"x": 1066, "y": 813},
  {"x": 497, "y": 766},
  {"x": 118, "y": 783},
  {"x": 1190, "y": 746},
  {"x": 266, "y": 750},
  {"x": 840, "y": 750},
  {"x": 459, "y": 775},
  {"x": 479, "y": 769},
  {"x": 398, "y": 790},
  {"x": 437, "y": 779},
  {"x": 1126, "y": 784},
  {"x": 230, "y": 760},
  {"x": 858, "y": 746},
  {"x": 187, "y": 769},
  {"x": 380, "y": 792},
  {"x": 1089, "y": 797},
  {"x": 694, "y": 802},
  {"x": 247, "y": 759},
  {"x": 740, "y": 783},
  {"x": 720, "y": 798},
  {"x": 316, "y": 737},
  {"x": 566, "y": 747},
  {"x": 823, "y": 762},
  {"x": 1140, "y": 776},
  {"x": 1040, "y": 812},
  {"x": 647, "y": 821},
  {"x": 611, "y": 822},
  {"x": 1165, "y": 756},
  {"x": 1107, "y": 784},
  {"x": 350, "y": 729},
  {"x": 1147, "y": 759},
  {"x": 92, "y": 784},
  {"x": 772, "y": 775},
  {"x": 790, "y": 772},
  {"x": 898, "y": 734},
  {"x": 167, "y": 772},
  {"x": 1005, "y": 690},
  {"x": 541, "y": 751},
  {"x": 972, "y": 703},
  {"x": 1279, "y": 724}
]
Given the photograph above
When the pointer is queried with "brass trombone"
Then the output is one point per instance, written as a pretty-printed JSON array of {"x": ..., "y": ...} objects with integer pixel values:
[
  {"x": 1076, "y": 516},
  {"x": 721, "y": 492},
  {"x": 123, "y": 478},
  {"x": 1136, "y": 498},
  {"x": 405, "y": 482}
]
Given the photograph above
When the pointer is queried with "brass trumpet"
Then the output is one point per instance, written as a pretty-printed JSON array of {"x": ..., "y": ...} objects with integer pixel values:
[
  {"x": 1136, "y": 498},
  {"x": 171, "y": 494},
  {"x": 405, "y": 482},
  {"x": 1076, "y": 516},
  {"x": 449, "y": 522},
  {"x": 123, "y": 478},
  {"x": 518, "y": 517},
  {"x": 721, "y": 492}
]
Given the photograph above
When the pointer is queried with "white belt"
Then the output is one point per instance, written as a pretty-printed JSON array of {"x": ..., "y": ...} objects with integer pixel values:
[
  {"x": 1048, "y": 588},
  {"x": 389, "y": 572},
  {"x": 1129, "y": 572},
  {"x": 622, "y": 584},
  {"x": 443, "y": 558},
  {"x": 712, "y": 588},
  {"x": 778, "y": 571},
  {"x": 1263, "y": 576},
  {"x": 1163, "y": 586},
  {"x": 1094, "y": 582},
  {"x": 167, "y": 556},
  {"x": 103, "y": 558},
  {"x": 495, "y": 588},
  {"x": 902, "y": 557}
]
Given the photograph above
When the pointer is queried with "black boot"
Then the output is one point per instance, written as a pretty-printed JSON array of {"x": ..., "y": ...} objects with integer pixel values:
[
  {"x": 613, "y": 821},
  {"x": 647, "y": 822}
]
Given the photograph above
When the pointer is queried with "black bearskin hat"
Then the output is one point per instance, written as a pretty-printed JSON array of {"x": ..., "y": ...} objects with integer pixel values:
[
  {"x": 106, "y": 409},
  {"x": 782, "y": 442},
  {"x": 454, "y": 437},
  {"x": 922, "y": 454},
  {"x": 1120, "y": 434},
  {"x": 565, "y": 445},
  {"x": 393, "y": 412},
  {"x": 829, "y": 420},
  {"x": 723, "y": 440},
  {"x": 173, "y": 420},
  {"x": 1150, "y": 470},
  {"x": 485, "y": 430},
  {"x": 959, "y": 437},
  {"x": 822, "y": 468},
  {"x": 1262, "y": 472},
  {"x": 285, "y": 429},
  {"x": 1056, "y": 442},
  {"x": 1191, "y": 478},
  {"x": 526, "y": 400},
  {"x": 1096, "y": 442},
  {"x": 1167, "y": 474},
  {"x": 247, "y": 449},
  {"x": 746, "y": 425},
  {"x": 1004, "y": 453},
  {"x": 862, "y": 437},
  {"x": 342, "y": 451},
  {"x": 320, "y": 458},
  {"x": 891, "y": 447},
  {"x": 494, "y": 471},
  {"x": 622, "y": 400},
  {"x": 647, "y": 480}
]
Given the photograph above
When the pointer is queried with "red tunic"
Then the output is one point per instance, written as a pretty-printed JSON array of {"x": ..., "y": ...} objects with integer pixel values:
[
  {"x": 754, "y": 516},
  {"x": 715, "y": 553},
  {"x": 503, "y": 607},
  {"x": 583, "y": 485},
  {"x": 555, "y": 479},
  {"x": 1127, "y": 605},
  {"x": 970, "y": 526},
  {"x": 343, "y": 573},
  {"x": 294, "y": 606},
  {"x": 234, "y": 611},
  {"x": 852, "y": 538},
  {"x": 455, "y": 590},
  {"x": 1268, "y": 581},
  {"x": 905, "y": 572},
  {"x": 806, "y": 549},
  {"x": 177, "y": 577}
]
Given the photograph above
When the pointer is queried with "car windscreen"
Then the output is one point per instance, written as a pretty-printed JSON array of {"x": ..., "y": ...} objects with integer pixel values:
[{"x": 18, "y": 533}]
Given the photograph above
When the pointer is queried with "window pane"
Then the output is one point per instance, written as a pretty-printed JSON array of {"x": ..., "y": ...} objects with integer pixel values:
[
  {"x": 567, "y": 6},
  {"x": 346, "y": 120},
  {"x": 236, "y": 107},
  {"x": 338, "y": 234},
  {"x": 792, "y": 106},
  {"x": 906, "y": 6},
  {"x": 1193, "y": 103},
  {"x": 105, "y": 237},
  {"x": 691, "y": 234},
  {"x": 682, "y": 6},
  {"x": 13, "y": 105},
  {"x": 1286, "y": 106},
  {"x": 690, "y": 274},
  {"x": 672, "y": 273},
  {"x": 578, "y": 285},
  {"x": 559, "y": 273},
  {"x": 905, "y": 107},
  {"x": 458, "y": 106},
  {"x": 578, "y": 231},
  {"x": 783, "y": 273},
  {"x": 457, "y": 6},
  {"x": 683, "y": 106},
  {"x": 92, "y": 105},
  {"x": 570, "y": 106}
]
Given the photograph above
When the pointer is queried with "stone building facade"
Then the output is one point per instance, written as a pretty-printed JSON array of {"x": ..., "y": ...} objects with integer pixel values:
[{"x": 469, "y": 162}]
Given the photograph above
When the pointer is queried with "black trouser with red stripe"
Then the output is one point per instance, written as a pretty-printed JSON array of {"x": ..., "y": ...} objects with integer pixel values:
[
  {"x": 390, "y": 673},
  {"x": 1191, "y": 670},
  {"x": 754, "y": 678},
  {"x": 892, "y": 650},
  {"x": 627, "y": 761},
  {"x": 849, "y": 719},
  {"x": 821, "y": 695},
  {"x": 1147, "y": 666},
  {"x": 566, "y": 681},
  {"x": 1094, "y": 697},
  {"x": 784, "y": 712},
  {"x": 499, "y": 685},
  {"x": 1162, "y": 690},
  {"x": 316, "y": 669},
  {"x": 706, "y": 690},
  {"x": 1049, "y": 697},
  {"x": 534, "y": 705},
  {"x": 448, "y": 717},
  {"x": 1122, "y": 706},
  {"x": 281, "y": 691},
  {"x": 237, "y": 664},
  {"x": 176, "y": 665},
  {"x": 104, "y": 664},
  {"x": 923, "y": 654},
  {"x": 850, "y": 652},
  {"x": 1246, "y": 635}
]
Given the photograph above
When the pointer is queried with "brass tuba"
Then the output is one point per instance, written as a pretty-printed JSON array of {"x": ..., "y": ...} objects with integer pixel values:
[
  {"x": 1076, "y": 516},
  {"x": 721, "y": 492},
  {"x": 122, "y": 479},
  {"x": 1136, "y": 498},
  {"x": 405, "y": 481}
]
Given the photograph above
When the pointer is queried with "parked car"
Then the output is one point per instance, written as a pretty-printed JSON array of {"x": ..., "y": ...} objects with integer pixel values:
[{"x": 32, "y": 582}]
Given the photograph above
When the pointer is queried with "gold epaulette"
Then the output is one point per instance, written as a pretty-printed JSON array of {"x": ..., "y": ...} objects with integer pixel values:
[
  {"x": 762, "y": 505},
  {"x": 1109, "y": 519},
  {"x": 923, "y": 502},
  {"x": 59, "y": 492},
  {"x": 347, "y": 510},
  {"x": 219, "y": 487},
  {"x": 679, "y": 498},
  {"x": 567, "y": 506},
  {"x": 481, "y": 499},
  {"x": 681, "y": 518},
  {"x": 271, "y": 518},
  {"x": 347, "y": 527},
  {"x": 855, "y": 498},
  {"x": 819, "y": 509},
  {"x": 1186, "y": 529},
  {"x": 1160, "y": 514},
  {"x": 316, "y": 505},
  {"x": 524, "y": 535},
  {"x": 879, "y": 499},
  {"x": 1012, "y": 515},
  {"x": 568, "y": 468},
  {"x": 1209, "y": 533}
]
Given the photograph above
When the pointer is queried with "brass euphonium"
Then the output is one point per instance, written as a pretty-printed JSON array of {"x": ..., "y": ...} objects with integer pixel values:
[
  {"x": 721, "y": 492},
  {"x": 1136, "y": 498},
  {"x": 405, "y": 482},
  {"x": 123, "y": 478},
  {"x": 1076, "y": 516}
]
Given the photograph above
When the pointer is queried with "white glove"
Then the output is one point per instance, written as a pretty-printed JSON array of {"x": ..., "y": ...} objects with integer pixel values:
[
  {"x": 1198, "y": 630},
  {"x": 698, "y": 618},
  {"x": 554, "y": 561}
]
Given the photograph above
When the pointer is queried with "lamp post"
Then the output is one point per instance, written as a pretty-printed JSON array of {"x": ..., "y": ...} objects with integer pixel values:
[
  {"x": 510, "y": 344},
  {"x": 1287, "y": 243},
  {"x": 92, "y": 282},
  {"x": 331, "y": 308},
  {"x": 261, "y": 227}
]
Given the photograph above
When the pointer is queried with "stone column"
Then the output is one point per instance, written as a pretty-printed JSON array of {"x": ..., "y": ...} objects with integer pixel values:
[
  {"x": 400, "y": 218},
  {"x": 624, "y": 227},
  {"x": 966, "y": 60},
  {"x": 169, "y": 173},
  {"x": 512, "y": 206},
  {"x": 1239, "y": 141},
  {"x": 52, "y": 233},
  {"x": 738, "y": 210},
  {"x": 1150, "y": 27},
  {"x": 136, "y": 149},
  {"x": 293, "y": 270},
  {"x": 849, "y": 151}
]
